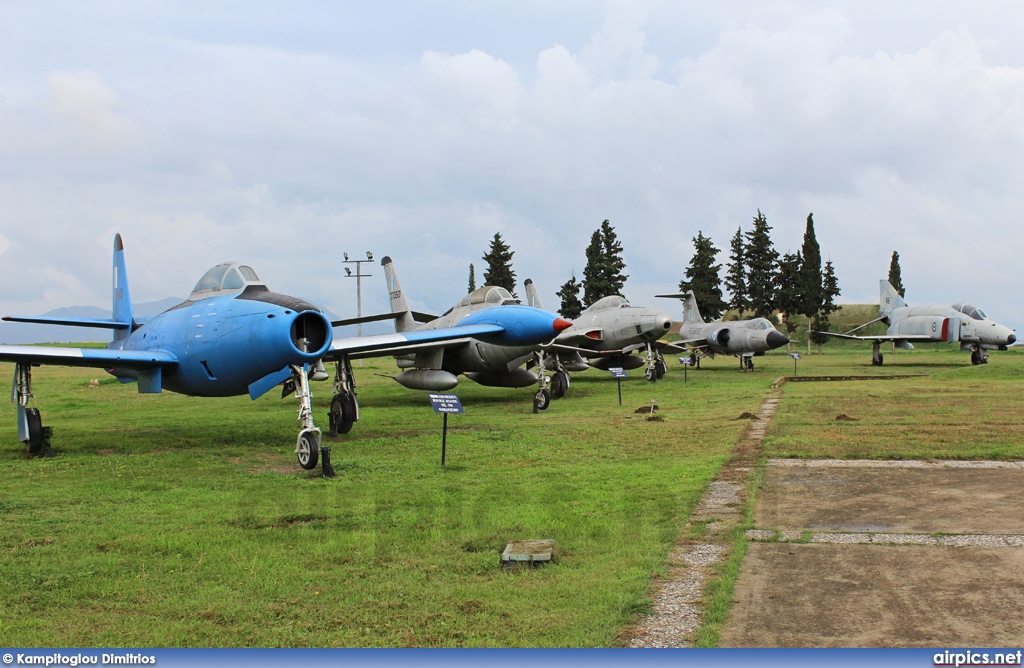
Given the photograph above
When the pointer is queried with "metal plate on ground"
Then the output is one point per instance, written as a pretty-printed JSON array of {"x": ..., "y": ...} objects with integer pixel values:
[{"x": 528, "y": 550}]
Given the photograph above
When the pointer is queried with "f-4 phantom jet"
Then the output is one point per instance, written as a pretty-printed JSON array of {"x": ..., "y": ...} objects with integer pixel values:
[
  {"x": 963, "y": 323},
  {"x": 742, "y": 338},
  {"x": 233, "y": 336},
  {"x": 435, "y": 367}
]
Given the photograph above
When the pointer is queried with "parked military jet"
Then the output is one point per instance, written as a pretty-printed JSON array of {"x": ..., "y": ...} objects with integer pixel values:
[
  {"x": 742, "y": 338},
  {"x": 965, "y": 323},
  {"x": 234, "y": 336},
  {"x": 436, "y": 367},
  {"x": 605, "y": 335}
]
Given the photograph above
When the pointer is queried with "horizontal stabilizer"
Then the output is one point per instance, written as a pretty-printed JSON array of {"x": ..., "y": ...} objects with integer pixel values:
[
  {"x": 416, "y": 315},
  {"x": 880, "y": 337},
  {"x": 681, "y": 295},
  {"x": 70, "y": 322}
]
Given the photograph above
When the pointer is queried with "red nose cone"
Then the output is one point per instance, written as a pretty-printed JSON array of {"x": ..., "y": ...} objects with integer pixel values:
[{"x": 560, "y": 324}]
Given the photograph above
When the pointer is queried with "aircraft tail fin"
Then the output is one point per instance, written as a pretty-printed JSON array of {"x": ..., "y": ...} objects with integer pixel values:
[
  {"x": 532, "y": 298},
  {"x": 691, "y": 314},
  {"x": 122, "y": 299},
  {"x": 405, "y": 321},
  {"x": 888, "y": 298}
]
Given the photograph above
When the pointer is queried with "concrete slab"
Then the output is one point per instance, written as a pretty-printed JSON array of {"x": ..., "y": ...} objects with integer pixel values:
[
  {"x": 813, "y": 595},
  {"x": 892, "y": 499}
]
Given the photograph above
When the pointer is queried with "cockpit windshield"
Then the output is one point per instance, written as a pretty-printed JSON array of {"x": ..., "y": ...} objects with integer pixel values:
[
  {"x": 227, "y": 277},
  {"x": 614, "y": 301},
  {"x": 758, "y": 323},
  {"x": 971, "y": 311},
  {"x": 488, "y": 294}
]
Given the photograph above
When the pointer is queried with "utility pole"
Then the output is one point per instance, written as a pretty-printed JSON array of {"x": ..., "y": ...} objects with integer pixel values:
[{"x": 359, "y": 285}]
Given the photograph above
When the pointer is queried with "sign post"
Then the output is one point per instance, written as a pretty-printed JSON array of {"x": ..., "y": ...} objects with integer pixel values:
[
  {"x": 686, "y": 362},
  {"x": 445, "y": 404},
  {"x": 618, "y": 373},
  {"x": 795, "y": 357}
]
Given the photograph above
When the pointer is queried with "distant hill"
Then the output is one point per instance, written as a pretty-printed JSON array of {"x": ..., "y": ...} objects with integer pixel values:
[{"x": 18, "y": 332}]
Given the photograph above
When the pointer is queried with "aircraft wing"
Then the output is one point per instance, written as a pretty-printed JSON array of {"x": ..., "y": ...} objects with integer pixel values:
[
  {"x": 100, "y": 358},
  {"x": 416, "y": 315},
  {"x": 880, "y": 337},
  {"x": 69, "y": 322},
  {"x": 684, "y": 345},
  {"x": 382, "y": 345}
]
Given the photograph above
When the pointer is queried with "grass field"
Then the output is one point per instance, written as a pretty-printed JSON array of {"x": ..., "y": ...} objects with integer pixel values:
[
  {"x": 174, "y": 521},
  {"x": 168, "y": 520}
]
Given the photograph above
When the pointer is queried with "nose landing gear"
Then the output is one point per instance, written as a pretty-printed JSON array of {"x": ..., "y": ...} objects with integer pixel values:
[
  {"x": 307, "y": 444},
  {"x": 31, "y": 431}
]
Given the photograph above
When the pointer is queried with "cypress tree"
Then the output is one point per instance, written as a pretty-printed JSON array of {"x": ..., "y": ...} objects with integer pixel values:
[
  {"x": 704, "y": 280},
  {"x": 602, "y": 275},
  {"x": 789, "y": 294},
  {"x": 895, "y": 277},
  {"x": 830, "y": 290},
  {"x": 570, "y": 295},
  {"x": 472, "y": 277},
  {"x": 762, "y": 265},
  {"x": 736, "y": 274},
  {"x": 499, "y": 265},
  {"x": 810, "y": 272}
]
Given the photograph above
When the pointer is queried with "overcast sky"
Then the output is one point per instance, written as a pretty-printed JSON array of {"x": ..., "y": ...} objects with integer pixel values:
[{"x": 283, "y": 134}]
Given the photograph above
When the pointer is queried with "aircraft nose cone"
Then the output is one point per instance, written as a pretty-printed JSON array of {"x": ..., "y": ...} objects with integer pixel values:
[
  {"x": 561, "y": 324},
  {"x": 776, "y": 339},
  {"x": 1011, "y": 339}
]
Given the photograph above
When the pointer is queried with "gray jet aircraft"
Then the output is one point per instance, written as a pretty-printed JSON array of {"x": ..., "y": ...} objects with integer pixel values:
[
  {"x": 939, "y": 323},
  {"x": 742, "y": 338},
  {"x": 435, "y": 368},
  {"x": 605, "y": 335}
]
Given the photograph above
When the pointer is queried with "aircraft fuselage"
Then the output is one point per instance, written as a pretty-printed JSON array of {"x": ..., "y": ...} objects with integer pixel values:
[{"x": 225, "y": 343}]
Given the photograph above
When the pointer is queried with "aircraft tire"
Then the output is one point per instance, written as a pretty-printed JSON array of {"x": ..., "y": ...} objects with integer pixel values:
[
  {"x": 309, "y": 450},
  {"x": 976, "y": 357},
  {"x": 34, "y": 445},
  {"x": 650, "y": 375},
  {"x": 542, "y": 400},
  {"x": 342, "y": 414},
  {"x": 660, "y": 368},
  {"x": 558, "y": 384}
]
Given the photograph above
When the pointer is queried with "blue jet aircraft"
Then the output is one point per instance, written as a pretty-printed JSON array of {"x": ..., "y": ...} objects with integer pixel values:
[{"x": 233, "y": 336}]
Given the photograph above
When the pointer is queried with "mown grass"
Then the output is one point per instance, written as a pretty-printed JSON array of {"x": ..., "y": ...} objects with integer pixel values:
[
  {"x": 175, "y": 521},
  {"x": 956, "y": 411}
]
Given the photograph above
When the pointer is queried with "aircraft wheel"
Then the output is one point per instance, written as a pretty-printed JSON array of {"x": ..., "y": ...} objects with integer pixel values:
[
  {"x": 559, "y": 384},
  {"x": 693, "y": 359},
  {"x": 660, "y": 368},
  {"x": 651, "y": 375},
  {"x": 878, "y": 362},
  {"x": 342, "y": 414},
  {"x": 309, "y": 450},
  {"x": 542, "y": 400},
  {"x": 976, "y": 357},
  {"x": 35, "y": 431}
]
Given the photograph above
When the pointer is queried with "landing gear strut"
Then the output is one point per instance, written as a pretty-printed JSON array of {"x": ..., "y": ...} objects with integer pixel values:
[
  {"x": 344, "y": 406},
  {"x": 307, "y": 445},
  {"x": 31, "y": 431},
  {"x": 876, "y": 354},
  {"x": 656, "y": 366},
  {"x": 542, "y": 399}
]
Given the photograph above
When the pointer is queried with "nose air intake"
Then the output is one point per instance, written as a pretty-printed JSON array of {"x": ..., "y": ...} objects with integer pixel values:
[
  {"x": 311, "y": 332},
  {"x": 1011, "y": 339}
]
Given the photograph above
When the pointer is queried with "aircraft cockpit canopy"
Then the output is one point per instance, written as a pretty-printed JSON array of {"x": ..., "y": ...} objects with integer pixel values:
[
  {"x": 226, "y": 278},
  {"x": 971, "y": 311},
  {"x": 759, "y": 323},
  {"x": 614, "y": 301},
  {"x": 488, "y": 294}
]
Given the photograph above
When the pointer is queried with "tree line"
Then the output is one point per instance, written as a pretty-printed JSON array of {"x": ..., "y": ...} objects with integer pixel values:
[{"x": 759, "y": 280}]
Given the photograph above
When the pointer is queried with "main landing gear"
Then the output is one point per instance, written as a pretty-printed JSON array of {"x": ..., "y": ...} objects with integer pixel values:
[
  {"x": 344, "y": 406},
  {"x": 978, "y": 356},
  {"x": 31, "y": 431},
  {"x": 656, "y": 367},
  {"x": 876, "y": 354}
]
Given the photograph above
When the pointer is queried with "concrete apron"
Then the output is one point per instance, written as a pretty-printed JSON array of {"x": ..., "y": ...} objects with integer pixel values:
[{"x": 888, "y": 554}]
